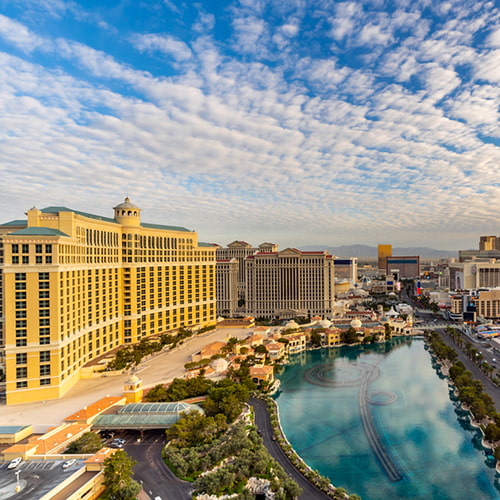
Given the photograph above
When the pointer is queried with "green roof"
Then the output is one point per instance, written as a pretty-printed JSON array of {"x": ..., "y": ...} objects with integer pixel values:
[
  {"x": 39, "y": 231},
  {"x": 169, "y": 228},
  {"x": 19, "y": 222},
  {"x": 56, "y": 210},
  {"x": 144, "y": 416}
]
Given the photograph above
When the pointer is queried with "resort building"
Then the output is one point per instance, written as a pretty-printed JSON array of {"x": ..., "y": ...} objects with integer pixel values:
[
  {"x": 227, "y": 287},
  {"x": 474, "y": 274},
  {"x": 240, "y": 250},
  {"x": 290, "y": 283},
  {"x": 75, "y": 286}
]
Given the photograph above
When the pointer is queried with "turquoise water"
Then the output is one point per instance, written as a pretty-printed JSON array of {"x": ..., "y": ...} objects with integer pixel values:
[{"x": 379, "y": 421}]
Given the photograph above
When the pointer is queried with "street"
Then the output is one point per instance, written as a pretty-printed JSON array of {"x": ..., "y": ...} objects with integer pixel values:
[{"x": 155, "y": 477}]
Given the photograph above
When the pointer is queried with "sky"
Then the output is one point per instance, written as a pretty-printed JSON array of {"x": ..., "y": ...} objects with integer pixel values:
[{"x": 299, "y": 122}]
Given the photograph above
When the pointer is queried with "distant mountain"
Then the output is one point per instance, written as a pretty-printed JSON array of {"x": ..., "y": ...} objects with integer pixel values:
[{"x": 368, "y": 252}]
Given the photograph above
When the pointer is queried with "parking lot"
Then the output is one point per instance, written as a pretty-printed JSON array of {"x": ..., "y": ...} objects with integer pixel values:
[{"x": 33, "y": 478}]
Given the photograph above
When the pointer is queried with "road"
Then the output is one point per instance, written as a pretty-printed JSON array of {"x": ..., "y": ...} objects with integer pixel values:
[
  {"x": 489, "y": 387},
  {"x": 263, "y": 423},
  {"x": 156, "y": 478}
]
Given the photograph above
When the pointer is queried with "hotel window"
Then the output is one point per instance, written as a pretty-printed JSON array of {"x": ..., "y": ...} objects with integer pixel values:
[
  {"x": 15, "y": 259},
  {"x": 20, "y": 295},
  {"x": 25, "y": 248},
  {"x": 15, "y": 248},
  {"x": 21, "y": 358},
  {"x": 48, "y": 248},
  {"x": 43, "y": 294},
  {"x": 38, "y": 259},
  {"x": 21, "y": 384},
  {"x": 44, "y": 370},
  {"x": 45, "y": 381},
  {"x": 22, "y": 372},
  {"x": 38, "y": 248},
  {"x": 26, "y": 259},
  {"x": 48, "y": 259}
]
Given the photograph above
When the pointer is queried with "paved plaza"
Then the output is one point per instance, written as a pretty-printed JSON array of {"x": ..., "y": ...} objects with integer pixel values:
[{"x": 161, "y": 368}]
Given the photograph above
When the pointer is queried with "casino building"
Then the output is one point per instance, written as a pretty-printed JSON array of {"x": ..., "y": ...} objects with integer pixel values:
[{"x": 74, "y": 286}]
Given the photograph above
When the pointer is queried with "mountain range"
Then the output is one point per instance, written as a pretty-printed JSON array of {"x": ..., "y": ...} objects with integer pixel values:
[{"x": 371, "y": 253}]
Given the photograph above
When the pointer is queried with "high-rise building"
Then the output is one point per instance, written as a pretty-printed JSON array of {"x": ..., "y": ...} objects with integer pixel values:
[
  {"x": 487, "y": 243},
  {"x": 474, "y": 274},
  {"x": 75, "y": 286},
  {"x": 403, "y": 266},
  {"x": 346, "y": 269},
  {"x": 227, "y": 287},
  {"x": 384, "y": 251},
  {"x": 240, "y": 250},
  {"x": 290, "y": 283}
]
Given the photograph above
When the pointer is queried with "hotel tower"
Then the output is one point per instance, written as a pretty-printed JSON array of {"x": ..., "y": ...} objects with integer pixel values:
[{"x": 75, "y": 286}]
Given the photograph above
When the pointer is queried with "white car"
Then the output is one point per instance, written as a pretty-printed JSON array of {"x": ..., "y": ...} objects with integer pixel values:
[
  {"x": 14, "y": 463},
  {"x": 68, "y": 463}
]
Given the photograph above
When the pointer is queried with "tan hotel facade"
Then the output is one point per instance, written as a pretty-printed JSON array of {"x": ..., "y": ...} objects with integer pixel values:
[
  {"x": 290, "y": 283},
  {"x": 75, "y": 286}
]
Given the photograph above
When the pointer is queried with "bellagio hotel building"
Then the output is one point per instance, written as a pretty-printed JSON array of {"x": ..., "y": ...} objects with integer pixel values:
[{"x": 74, "y": 286}]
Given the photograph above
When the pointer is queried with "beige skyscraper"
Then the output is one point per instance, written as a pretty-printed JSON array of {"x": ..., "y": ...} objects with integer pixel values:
[{"x": 289, "y": 283}]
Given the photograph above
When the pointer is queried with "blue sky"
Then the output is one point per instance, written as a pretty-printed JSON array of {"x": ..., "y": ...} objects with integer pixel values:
[{"x": 298, "y": 122}]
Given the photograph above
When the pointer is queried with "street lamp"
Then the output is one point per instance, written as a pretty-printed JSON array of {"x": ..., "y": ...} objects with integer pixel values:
[{"x": 18, "y": 485}]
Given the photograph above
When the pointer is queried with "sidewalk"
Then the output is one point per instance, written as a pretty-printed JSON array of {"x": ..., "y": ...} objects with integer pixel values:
[{"x": 162, "y": 368}]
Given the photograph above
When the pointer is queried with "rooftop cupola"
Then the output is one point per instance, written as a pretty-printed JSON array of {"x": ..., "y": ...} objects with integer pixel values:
[{"x": 127, "y": 213}]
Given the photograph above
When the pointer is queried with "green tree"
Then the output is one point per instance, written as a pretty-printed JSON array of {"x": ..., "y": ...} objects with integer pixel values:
[
  {"x": 492, "y": 432},
  {"x": 87, "y": 443},
  {"x": 157, "y": 394},
  {"x": 349, "y": 336},
  {"x": 316, "y": 339},
  {"x": 388, "y": 331},
  {"x": 227, "y": 397},
  {"x": 260, "y": 349},
  {"x": 194, "y": 428},
  {"x": 118, "y": 477}
]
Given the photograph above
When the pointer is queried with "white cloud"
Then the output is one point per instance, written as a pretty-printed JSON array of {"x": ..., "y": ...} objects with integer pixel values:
[
  {"x": 493, "y": 39},
  {"x": 164, "y": 44},
  {"x": 18, "y": 35},
  {"x": 264, "y": 154}
]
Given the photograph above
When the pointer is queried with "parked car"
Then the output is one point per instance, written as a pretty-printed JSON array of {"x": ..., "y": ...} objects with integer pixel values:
[
  {"x": 14, "y": 463},
  {"x": 117, "y": 443},
  {"x": 68, "y": 463}
]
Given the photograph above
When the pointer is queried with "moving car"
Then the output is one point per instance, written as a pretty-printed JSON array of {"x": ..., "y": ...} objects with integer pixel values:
[
  {"x": 68, "y": 463},
  {"x": 14, "y": 463}
]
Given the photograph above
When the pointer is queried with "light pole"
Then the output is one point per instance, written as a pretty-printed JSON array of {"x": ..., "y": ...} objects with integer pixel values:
[{"x": 18, "y": 485}]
